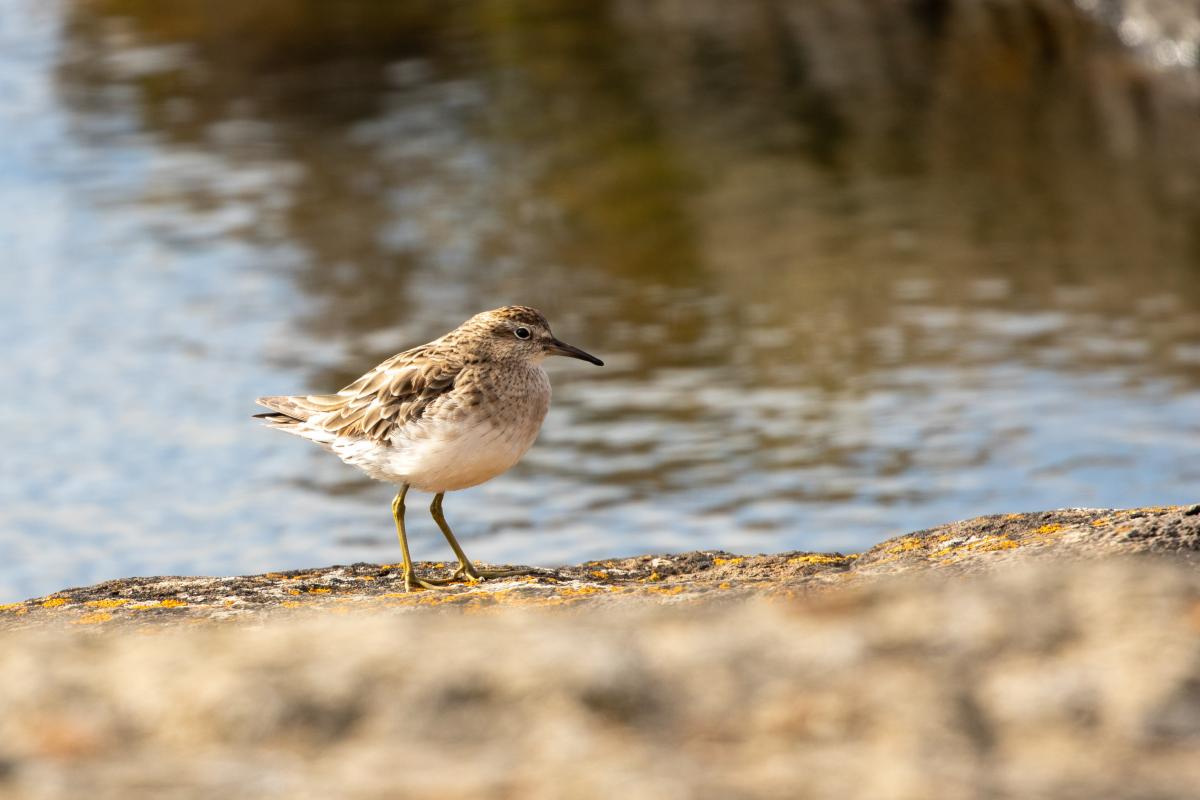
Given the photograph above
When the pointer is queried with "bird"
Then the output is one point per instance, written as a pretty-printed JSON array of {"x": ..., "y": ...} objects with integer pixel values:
[{"x": 446, "y": 415}]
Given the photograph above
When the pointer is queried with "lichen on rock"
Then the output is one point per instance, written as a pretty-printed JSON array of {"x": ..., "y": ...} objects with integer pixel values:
[{"x": 973, "y": 545}]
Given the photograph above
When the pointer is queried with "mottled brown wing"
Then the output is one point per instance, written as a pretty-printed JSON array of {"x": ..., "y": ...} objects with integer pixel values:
[{"x": 396, "y": 392}]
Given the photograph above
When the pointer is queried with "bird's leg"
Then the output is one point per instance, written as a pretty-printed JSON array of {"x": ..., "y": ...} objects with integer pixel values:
[
  {"x": 411, "y": 581},
  {"x": 466, "y": 570}
]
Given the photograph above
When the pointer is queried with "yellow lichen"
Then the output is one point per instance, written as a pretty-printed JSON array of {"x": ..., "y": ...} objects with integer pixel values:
[
  {"x": 665, "y": 589},
  {"x": 1100, "y": 523},
  {"x": 654, "y": 576},
  {"x": 724, "y": 585},
  {"x": 171, "y": 603},
  {"x": 818, "y": 558},
  {"x": 12, "y": 607},
  {"x": 720, "y": 562},
  {"x": 990, "y": 543},
  {"x": 54, "y": 602},
  {"x": 1045, "y": 530},
  {"x": 582, "y": 590},
  {"x": 320, "y": 590},
  {"x": 115, "y": 602},
  {"x": 1003, "y": 544},
  {"x": 598, "y": 573},
  {"x": 290, "y": 604},
  {"x": 93, "y": 619},
  {"x": 911, "y": 543}
]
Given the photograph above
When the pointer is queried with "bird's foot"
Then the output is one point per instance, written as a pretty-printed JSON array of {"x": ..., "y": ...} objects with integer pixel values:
[
  {"x": 414, "y": 583},
  {"x": 469, "y": 572}
]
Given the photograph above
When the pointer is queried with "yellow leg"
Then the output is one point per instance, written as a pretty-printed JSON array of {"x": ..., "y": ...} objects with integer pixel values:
[
  {"x": 465, "y": 568},
  {"x": 411, "y": 581}
]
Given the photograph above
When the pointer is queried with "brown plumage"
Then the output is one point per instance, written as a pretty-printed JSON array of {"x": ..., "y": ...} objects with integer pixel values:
[
  {"x": 446, "y": 415},
  {"x": 396, "y": 392},
  {"x": 401, "y": 389}
]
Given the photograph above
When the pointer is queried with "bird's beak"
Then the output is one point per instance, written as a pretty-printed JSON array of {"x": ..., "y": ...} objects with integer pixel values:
[{"x": 557, "y": 348}]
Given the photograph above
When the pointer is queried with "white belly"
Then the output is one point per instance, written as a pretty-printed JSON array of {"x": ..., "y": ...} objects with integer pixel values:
[
  {"x": 450, "y": 451},
  {"x": 442, "y": 463}
]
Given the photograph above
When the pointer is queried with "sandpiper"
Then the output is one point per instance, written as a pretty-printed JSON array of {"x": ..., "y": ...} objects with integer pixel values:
[{"x": 446, "y": 415}]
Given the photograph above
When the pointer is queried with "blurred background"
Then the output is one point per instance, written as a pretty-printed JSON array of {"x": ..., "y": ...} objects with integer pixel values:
[{"x": 856, "y": 267}]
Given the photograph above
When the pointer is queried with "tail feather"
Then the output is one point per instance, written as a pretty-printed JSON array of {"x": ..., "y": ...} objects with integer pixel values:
[
  {"x": 289, "y": 413},
  {"x": 282, "y": 406}
]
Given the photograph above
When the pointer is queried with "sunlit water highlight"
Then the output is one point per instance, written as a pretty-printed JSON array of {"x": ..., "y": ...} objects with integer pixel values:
[{"x": 805, "y": 349}]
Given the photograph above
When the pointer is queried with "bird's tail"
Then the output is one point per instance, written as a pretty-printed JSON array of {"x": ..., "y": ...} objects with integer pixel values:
[{"x": 287, "y": 413}]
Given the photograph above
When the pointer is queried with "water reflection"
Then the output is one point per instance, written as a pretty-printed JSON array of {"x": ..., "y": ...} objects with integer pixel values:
[{"x": 856, "y": 268}]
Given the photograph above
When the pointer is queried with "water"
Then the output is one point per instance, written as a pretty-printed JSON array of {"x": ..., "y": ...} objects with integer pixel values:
[{"x": 844, "y": 290}]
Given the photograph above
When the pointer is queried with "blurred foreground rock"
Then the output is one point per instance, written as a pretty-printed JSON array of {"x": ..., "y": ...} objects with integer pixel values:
[{"x": 1051, "y": 655}]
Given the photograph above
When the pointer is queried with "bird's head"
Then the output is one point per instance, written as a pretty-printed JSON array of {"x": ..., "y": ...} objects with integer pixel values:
[{"x": 519, "y": 333}]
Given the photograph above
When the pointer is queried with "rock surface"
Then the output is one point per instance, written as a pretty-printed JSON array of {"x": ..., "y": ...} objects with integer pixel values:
[
  {"x": 1078, "y": 680},
  {"x": 968, "y": 546},
  {"x": 1002, "y": 657}
]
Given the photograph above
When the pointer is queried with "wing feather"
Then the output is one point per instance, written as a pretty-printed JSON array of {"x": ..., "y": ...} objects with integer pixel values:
[{"x": 395, "y": 393}]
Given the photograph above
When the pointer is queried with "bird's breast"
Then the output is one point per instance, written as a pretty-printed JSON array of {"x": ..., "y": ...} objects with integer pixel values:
[{"x": 487, "y": 431}]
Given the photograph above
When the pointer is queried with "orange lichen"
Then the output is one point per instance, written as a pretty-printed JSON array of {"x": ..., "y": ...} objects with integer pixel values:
[
  {"x": 1003, "y": 544},
  {"x": 572, "y": 592},
  {"x": 114, "y": 602},
  {"x": 1045, "y": 530},
  {"x": 320, "y": 590},
  {"x": 910, "y": 543},
  {"x": 54, "y": 602}
]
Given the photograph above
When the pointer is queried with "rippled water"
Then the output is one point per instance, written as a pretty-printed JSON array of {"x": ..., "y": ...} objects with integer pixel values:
[{"x": 844, "y": 291}]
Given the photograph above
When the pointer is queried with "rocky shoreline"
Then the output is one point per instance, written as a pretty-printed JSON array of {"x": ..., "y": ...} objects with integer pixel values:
[
  {"x": 969, "y": 546},
  {"x": 1047, "y": 655}
]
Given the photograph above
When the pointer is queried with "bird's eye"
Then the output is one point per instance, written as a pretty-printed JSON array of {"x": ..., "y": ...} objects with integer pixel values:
[{"x": 522, "y": 333}]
